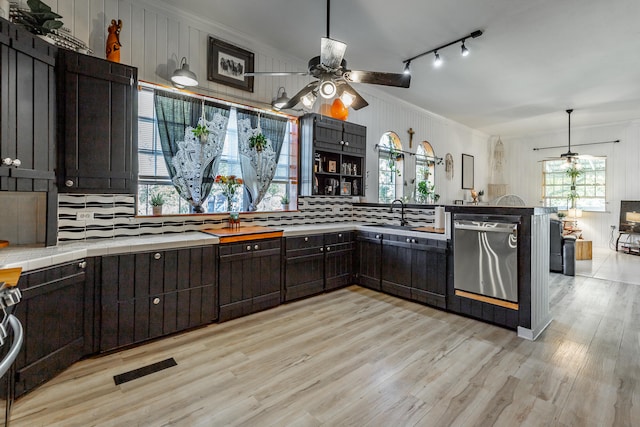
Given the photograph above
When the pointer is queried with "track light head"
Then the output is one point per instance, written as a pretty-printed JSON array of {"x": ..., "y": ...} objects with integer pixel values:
[
  {"x": 407, "y": 68},
  {"x": 463, "y": 50},
  {"x": 437, "y": 61}
]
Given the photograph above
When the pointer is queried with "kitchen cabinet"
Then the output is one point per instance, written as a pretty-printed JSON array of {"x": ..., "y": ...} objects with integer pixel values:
[
  {"x": 249, "y": 277},
  {"x": 317, "y": 263},
  {"x": 369, "y": 259},
  {"x": 152, "y": 294},
  {"x": 332, "y": 156},
  {"x": 57, "y": 314},
  {"x": 97, "y": 125},
  {"x": 396, "y": 266}
]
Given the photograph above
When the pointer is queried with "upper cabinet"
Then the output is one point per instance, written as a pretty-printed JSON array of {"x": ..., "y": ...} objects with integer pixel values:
[
  {"x": 97, "y": 126},
  {"x": 27, "y": 110},
  {"x": 332, "y": 156}
]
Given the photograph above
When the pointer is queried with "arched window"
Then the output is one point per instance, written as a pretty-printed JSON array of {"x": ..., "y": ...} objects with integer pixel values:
[
  {"x": 425, "y": 174},
  {"x": 390, "y": 167}
]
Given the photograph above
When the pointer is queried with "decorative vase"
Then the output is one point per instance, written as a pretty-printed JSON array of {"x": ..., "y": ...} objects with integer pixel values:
[
  {"x": 157, "y": 210},
  {"x": 285, "y": 207}
]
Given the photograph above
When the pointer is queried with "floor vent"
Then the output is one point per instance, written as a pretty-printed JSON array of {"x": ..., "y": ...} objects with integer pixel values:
[{"x": 145, "y": 370}]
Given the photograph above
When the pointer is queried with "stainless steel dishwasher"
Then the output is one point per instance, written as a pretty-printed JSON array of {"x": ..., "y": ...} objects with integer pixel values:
[{"x": 485, "y": 255}]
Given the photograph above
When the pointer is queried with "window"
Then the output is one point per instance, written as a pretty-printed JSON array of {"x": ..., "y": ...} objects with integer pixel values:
[
  {"x": 590, "y": 184},
  {"x": 153, "y": 177},
  {"x": 390, "y": 168},
  {"x": 425, "y": 174}
]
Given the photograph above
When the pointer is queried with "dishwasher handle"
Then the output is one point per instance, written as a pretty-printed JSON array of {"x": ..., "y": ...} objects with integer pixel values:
[
  {"x": 487, "y": 229},
  {"x": 18, "y": 338}
]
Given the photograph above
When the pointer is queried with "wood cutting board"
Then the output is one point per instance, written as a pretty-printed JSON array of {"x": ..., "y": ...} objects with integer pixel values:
[{"x": 243, "y": 233}]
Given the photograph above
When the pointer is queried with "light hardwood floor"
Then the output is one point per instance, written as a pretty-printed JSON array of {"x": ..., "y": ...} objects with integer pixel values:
[{"x": 357, "y": 357}]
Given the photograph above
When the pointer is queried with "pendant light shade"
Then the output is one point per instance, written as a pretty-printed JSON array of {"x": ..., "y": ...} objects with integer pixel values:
[
  {"x": 183, "y": 76},
  {"x": 281, "y": 100}
]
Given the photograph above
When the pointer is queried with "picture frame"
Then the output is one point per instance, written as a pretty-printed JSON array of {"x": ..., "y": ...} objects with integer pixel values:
[
  {"x": 332, "y": 166},
  {"x": 467, "y": 172},
  {"x": 226, "y": 64},
  {"x": 345, "y": 189}
]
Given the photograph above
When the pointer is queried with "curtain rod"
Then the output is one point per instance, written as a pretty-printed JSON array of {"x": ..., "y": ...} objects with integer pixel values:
[
  {"x": 577, "y": 145},
  {"x": 434, "y": 158},
  {"x": 212, "y": 98}
]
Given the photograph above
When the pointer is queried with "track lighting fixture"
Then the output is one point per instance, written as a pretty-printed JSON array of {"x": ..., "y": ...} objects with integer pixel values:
[
  {"x": 437, "y": 61},
  {"x": 407, "y": 68},
  {"x": 464, "y": 51},
  {"x": 281, "y": 100},
  {"x": 183, "y": 77}
]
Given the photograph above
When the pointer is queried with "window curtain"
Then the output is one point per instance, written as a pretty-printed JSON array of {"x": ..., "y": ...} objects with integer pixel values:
[
  {"x": 259, "y": 168},
  {"x": 192, "y": 162}
]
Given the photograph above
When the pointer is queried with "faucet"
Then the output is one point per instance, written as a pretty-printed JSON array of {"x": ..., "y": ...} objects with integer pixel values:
[{"x": 403, "y": 221}]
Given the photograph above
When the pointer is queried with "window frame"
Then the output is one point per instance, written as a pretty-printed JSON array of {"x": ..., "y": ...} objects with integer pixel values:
[
  {"x": 384, "y": 157},
  {"x": 591, "y": 185}
]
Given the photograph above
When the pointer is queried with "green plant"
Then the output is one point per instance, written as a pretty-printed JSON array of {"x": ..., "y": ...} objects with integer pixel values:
[
  {"x": 394, "y": 158},
  {"x": 426, "y": 192},
  {"x": 157, "y": 200},
  {"x": 481, "y": 193},
  {"x": 39, "y": 19},
  {"x": 201, "y": 131},
  {"x": 561, "y": 215},
  {"x": 573, "y": 172},
  {"x": 258, "y": 142},
  {"x": 284, "y": 200}
]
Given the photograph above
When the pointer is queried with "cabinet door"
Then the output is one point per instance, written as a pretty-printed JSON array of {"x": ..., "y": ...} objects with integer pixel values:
[
  {"x": 339, "y": 253},
  {"x": 396, "y": 266},
  {"x": 304, "y": 266},
  {"x": 369, "y": 258},
  {"x": 429, "y": 271},
  {"x": 98, "y": 125},
  {"x": 27, "y": 110},
  {"x": 249, "y": 277},
  {"x": 355, "y": 139},
  {"x": 152, "y": 294},
  {"x": 327, "y": 133},
  {"x": 56, "y": 312}
]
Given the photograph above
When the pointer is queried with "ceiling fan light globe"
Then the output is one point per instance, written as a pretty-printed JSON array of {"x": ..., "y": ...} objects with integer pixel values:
[
  {"x": 327, "y": 89},
  {"x": 347, "y": 98},
  {"x": 308, "y": 100}
]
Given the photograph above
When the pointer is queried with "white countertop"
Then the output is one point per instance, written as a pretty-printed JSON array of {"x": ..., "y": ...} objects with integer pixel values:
[{"x": 36, "y": 256}]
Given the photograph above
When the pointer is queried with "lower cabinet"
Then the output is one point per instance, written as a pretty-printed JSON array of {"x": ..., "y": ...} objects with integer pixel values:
[
  {"x": 317, "y": 263},
  {"x": 249, "y": 277},
  {"x": 369, "y": 259},
  {"x": 407, "y": 267},
  {"x": 56, "y": 312},
  {"x": 151, "y": 294}
]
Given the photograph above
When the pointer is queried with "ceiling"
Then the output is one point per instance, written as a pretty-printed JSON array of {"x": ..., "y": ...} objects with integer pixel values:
[{"x": 535, "y": 59}]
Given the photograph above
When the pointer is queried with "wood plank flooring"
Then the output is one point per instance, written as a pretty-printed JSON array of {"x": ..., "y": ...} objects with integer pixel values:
[{"x": 362, "y": 358}]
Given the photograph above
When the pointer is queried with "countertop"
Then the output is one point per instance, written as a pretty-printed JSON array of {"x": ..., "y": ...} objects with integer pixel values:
[{"x": 33, "y": 257}]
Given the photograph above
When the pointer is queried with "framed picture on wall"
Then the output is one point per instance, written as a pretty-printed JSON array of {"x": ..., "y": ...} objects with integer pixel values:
[
  {"x": 227, "y": 64},
  {"x": 467, "y": 172}
]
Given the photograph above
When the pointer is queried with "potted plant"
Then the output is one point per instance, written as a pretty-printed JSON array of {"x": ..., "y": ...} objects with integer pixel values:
[
  {"x": 39, "y": 19},
  {"x": 258, "y": 142},
  {"x": 394, "y": 157},
  {"x": 480, "y": 195},
  {"x": 201, "y": 131},
  {"x": 284, "y": 200},
  {"x": 156, "y": 201}
]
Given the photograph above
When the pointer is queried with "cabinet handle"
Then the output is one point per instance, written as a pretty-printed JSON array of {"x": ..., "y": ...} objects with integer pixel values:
[
  {"x": 408, "y": 240},
  {"x": 346, "y": 143},
  {"x": 157, "y": 255},
  {"x": 306, "y": 239},
  {"x": 378, "y": 236},
  {"x": 69, "y": 183},
  {"x": 340, "y": 235},
  {"x": 7, "y": 161},
  {"x": 16, "y": 162},
  {"x": 413, "y": 241},
  {"x": 328, "y": 248},
  {"x": 341, "y": 142},
  {"x": 82, "y": 264},
  {"x": 248, "y": 247},
  {"x": 256, "y": 247},
  {"x": 321, "y": 249},
  {"x": 156, "y": 301}
]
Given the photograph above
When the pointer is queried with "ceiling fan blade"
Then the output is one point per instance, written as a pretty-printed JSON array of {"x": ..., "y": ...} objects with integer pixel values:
[
  {"x": 359, "y": 102},
  {"x": 378, "y": 78},
  {"x": 277, "y": 73},
  {"x": 295, "y": 99},
  {"x": 332, "y": 52}
]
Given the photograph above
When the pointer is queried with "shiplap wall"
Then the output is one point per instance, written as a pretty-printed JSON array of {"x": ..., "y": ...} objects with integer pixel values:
[
  {"x": 524, "y": 169},
  {"x": 155, "y": 36}
]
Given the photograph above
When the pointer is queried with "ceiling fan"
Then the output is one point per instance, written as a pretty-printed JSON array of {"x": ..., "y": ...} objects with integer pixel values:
[
  {"x": 333, "y": 77},
  {"x": 569, "y": 155}
]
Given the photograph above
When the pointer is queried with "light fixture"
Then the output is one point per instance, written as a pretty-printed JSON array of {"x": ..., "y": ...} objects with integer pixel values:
[
  {"x": 327, "y": 88},
  {"x": 347, "y": 98},
  {"x": 463, "y": 50},
  {"x": 407, "y": 68},
  {"x": 309, "y": 99},
  {"x": 183, "y": 76},
  {"x": 281, "y": 100},
  {"x": 438, "y": 60}
]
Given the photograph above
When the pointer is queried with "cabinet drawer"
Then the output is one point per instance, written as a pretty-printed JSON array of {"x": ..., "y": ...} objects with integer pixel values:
[
  {"x": 304, "y": 242},
  {"x": 340, "y": 237},
  {"x": 249, "y": 246}
]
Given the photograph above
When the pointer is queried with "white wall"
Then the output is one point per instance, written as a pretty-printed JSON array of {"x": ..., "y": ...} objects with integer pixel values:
[
  {"x": 156, "y": 36},
  {"x": 523, "y": 171}
]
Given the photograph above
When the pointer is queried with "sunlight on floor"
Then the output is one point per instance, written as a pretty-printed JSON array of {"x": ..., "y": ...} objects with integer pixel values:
[{"x": 608, "y": 264}]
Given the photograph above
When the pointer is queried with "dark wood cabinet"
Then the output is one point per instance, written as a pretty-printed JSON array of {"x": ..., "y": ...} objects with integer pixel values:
[
  {"x": 332, "y": 156},
  {"x": 317, "y": 263},
  {"x": 57, "y": 314},
  {"x": 429, "y": 272},
  {"x": 249, "y": 277},
  {"x": 396, "y": 266},
  {"x": 369, "y": 259},
  {"x": 97, "y": 126},
  {"x": 151, "y": 294}
]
